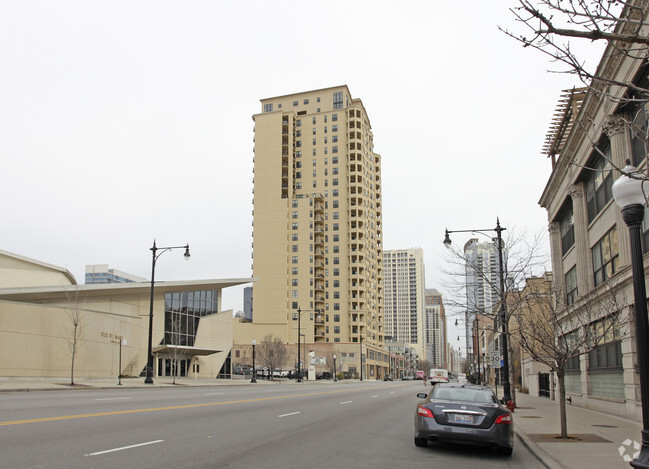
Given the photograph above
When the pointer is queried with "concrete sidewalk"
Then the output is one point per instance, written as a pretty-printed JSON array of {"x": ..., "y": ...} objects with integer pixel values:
[
  {"x": 602, "y": 440},
  {"x": 61, "y": 384}
]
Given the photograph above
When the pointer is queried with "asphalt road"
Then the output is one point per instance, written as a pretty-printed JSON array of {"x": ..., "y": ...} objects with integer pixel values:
[{"x": 350, "y": 425}]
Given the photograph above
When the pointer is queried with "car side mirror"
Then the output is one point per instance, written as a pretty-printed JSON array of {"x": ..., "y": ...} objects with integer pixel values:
[{"x": 422, "y": 395}]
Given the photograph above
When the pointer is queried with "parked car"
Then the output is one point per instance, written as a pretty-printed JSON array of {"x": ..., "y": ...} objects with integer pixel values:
[
  {"x": 387, "y": 378},
  {"x": 466, "y": 414}
]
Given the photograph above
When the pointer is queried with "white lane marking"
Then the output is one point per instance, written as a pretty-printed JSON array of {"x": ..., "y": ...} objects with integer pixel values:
[
  {"x": 391, "y": 392},
  {"x": 113, "y": 399},
  {"x": 375, "y": 395},
  {"x": 123, "y": 448},
  {"x": 286, "y": 415},
  {"x": 345, "y": 402}
]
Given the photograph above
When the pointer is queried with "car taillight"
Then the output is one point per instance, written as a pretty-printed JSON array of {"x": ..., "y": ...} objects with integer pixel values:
[
  {"x": 424, "y": 411},
  {"x": 504, "y": 418}
]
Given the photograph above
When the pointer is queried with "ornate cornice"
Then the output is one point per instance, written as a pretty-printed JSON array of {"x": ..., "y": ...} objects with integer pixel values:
[
  {"x": 553, "y": 228},
  {"x": 576, "y": 191},
  {"x": 614, "y": 125}
]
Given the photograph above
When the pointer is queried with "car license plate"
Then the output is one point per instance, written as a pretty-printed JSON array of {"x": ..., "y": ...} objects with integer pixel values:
[{"x": 461, "y": 418}]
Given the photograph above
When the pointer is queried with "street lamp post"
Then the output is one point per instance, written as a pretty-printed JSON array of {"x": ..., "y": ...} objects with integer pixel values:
[
  {"x": 299, "y": 329},
  {"x": 630, "y": 194},
  {"x": 483, "y": 351},
  {"x": 156, "y": 254},
  {"x": 335, "y": 370},
  {"x": 503, "y": 307},
  {"x": 478, "y": 354},
  {"x": 299, "y": 359},
  {"x": 361, "y": 355},
  {"x": 254, "y": 369}
]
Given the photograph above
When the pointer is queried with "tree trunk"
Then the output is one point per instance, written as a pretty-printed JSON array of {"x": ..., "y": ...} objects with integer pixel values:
[
  {"x": 562, "y": 405},
  {"x": 74, "y": 351},
  {"x": 512, "y": 372}
]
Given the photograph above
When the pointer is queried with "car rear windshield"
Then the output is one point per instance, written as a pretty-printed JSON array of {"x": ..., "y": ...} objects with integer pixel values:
[{"x": 463, "y": 394}]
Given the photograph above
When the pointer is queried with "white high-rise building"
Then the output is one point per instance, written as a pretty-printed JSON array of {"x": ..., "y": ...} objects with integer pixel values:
[
  {"x": 404, "y": 290},
  {"x": 435, "y": 329},
  {"x": 482, "y": 280}
]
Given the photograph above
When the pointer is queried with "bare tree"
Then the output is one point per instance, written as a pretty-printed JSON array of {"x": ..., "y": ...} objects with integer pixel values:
[
  {"x": 331, "y": 367},
  {"x": 130, "y": 367},
  {"x": 555, "y": 333},
  {"x": 175, "y": 338},
  {"x": 272, "y": 353},
  {"x": 74, "y": 332}
]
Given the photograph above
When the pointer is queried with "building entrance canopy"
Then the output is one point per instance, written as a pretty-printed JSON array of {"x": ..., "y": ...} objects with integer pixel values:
[{"x": 170, "y": 350}]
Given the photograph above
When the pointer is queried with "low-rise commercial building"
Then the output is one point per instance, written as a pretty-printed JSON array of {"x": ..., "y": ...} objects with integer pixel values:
[{"x": 40, "y": 304}]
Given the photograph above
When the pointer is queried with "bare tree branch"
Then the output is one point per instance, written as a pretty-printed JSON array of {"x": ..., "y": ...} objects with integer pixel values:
[
  {"x": 272, "y": 354},
  {"x": 75, "y": 332}
]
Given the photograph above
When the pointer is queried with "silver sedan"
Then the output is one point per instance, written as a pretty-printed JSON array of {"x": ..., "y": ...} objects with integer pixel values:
[{"x": 462, "y": 413}]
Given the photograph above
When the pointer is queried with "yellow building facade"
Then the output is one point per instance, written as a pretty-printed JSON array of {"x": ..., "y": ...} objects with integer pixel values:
[{"x": 317, "y": 223}]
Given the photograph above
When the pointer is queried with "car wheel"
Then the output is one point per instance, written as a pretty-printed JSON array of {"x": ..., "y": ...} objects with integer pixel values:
[
  {"x": 505, "y": 450},
  {"x": 421, "y": 442}
]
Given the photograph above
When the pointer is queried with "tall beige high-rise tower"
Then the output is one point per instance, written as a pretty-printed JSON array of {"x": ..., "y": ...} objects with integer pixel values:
[{"x": 317, "y": 225}]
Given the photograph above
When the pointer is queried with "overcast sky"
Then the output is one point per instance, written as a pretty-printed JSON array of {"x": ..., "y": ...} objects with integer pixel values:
[{"x": 125, "y": 121}]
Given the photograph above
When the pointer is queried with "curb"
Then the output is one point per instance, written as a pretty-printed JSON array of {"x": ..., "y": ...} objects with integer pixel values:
[
  {"x": 539, "y": 453},
  {"x": 87, "y": 386}
]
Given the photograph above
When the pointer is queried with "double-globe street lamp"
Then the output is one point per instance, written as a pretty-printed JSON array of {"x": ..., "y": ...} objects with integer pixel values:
[
  {"x": 156, "y": 254},
  {"x": 503, "y": 308},
  {"x": 630, "y": 193}
]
